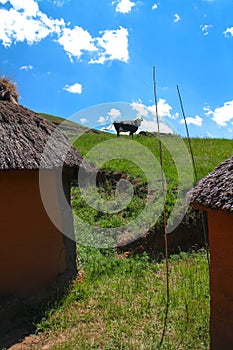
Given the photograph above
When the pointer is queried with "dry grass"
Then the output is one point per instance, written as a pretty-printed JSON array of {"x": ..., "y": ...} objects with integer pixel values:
[{"x": 8, "y": 90}]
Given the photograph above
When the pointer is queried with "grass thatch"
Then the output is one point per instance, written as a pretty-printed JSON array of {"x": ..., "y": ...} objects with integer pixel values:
[
  {"x": 8, "y": 90},
  {"x": 24, "y": 136},
  {"x": 216, "y": 189}
]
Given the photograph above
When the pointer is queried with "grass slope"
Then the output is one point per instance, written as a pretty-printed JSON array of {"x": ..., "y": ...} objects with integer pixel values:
[
  {"x": 70, "y": 128},
  {"x": 52, "y": 118},
  {"x": 121, "y": 303},
  {"x": 208, "y": 153}
]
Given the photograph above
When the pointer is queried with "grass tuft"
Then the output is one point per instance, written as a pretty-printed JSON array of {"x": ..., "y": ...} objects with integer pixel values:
[{"x": 121, "y": 304}]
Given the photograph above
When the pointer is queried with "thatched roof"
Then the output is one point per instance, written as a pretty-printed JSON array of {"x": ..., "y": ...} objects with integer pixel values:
[
  {"x": 8, "y": 90},
  {"x": 216, "y": 189},
  {"x": 23, "y": 138}
]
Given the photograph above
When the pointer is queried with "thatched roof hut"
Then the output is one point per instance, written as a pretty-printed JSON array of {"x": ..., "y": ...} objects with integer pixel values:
[
  {"x": 34, "y": 252},
  {"x": 24, "y": 135},
  {"x": 214, "y": 193}
]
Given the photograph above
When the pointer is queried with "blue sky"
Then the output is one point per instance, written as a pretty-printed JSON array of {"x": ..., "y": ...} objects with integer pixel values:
[{"x": 67, "y": 56}]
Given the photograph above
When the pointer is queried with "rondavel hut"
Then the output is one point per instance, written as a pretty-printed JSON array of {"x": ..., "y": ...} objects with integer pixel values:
[
  {"x": 214, "y": 194},
  {"x": 34, "y": 252}
]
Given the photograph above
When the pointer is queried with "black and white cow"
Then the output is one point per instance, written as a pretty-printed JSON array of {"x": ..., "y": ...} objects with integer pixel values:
[{"x": 130, "y": 126}]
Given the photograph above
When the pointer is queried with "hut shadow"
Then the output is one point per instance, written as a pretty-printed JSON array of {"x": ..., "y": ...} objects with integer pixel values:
[{"x": 19, "y": 317}]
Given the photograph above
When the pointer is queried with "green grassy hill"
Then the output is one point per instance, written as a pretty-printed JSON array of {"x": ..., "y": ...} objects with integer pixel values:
[
  {"x": 208, "y": 153},
  {"x": 52, "y": 118},
  {"x": 119, "y": 302},
  {"x": 110, "y": 157},
  {"x": 70, "y": 128}
]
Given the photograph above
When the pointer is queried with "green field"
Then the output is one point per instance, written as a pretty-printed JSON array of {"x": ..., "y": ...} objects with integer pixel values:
[
  {"x": 121, "y": 303},
  {"x": 208, "y": 153}
]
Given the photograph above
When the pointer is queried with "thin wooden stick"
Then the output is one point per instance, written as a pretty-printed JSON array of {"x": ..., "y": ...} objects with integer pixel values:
[
  {"x": 188, "y": 136},
  {"x": 195, "y": 173},
  {"x": 164, "y": 212}
]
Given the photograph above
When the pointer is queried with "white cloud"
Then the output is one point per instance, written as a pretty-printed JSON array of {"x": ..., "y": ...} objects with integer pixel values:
[
  {"x": 206, "y": 109},
  {"x": 26, "y": 68},
  {"x": 221, "y": 115},
  {"x": 140, "y": 108},
  {"x": 113, "y": 114},
  {"x": 155, "y": 6},
  {"x": 83, "y": 120},
  {"x": 74, "y": 89},
  {"x": 177, "y": 18},
  {"x": 164, "y": 109},
  {"x": 110, "y": 116},
  {"x": 148, "y": 113},
  {"x": 228, "y": 32},
  {"x": 29, "y": 7},
  {"x": 75, "y": 41},
  {"x": 24, "y": 22},
  {"x": 113, "y": 45},
  {"x": 193, "y": 120},
  {"x": 151, "y": 126},
  {"x": 59, "y": 3},
  {"x": 101, "y": 119},
  {"x": 124, "y": 6},
  {"x": 205, "y": 28}
]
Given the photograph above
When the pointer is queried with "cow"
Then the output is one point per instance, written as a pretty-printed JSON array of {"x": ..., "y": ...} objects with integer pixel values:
[{"x": 127, "y": 125}]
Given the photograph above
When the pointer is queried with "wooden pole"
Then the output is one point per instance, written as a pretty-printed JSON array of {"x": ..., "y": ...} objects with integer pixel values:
[{"x": 164, "y": 211}]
